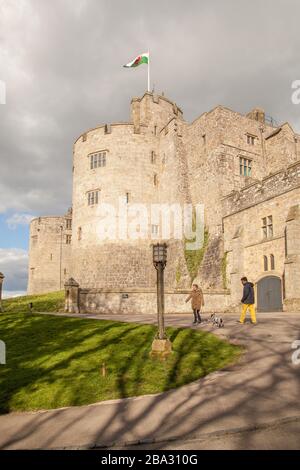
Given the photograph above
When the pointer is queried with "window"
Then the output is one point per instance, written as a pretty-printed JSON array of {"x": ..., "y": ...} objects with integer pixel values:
[
  {"x": 69, "y": 224},
  {"x": 155, "y": 130},
  {"x": 127, "y": 198},
  {"x": 154, "y": 229},
  {"x": 79, "y": 233},
  {"x": 155, "y": 179},
  {"x": 272, "y": 262},
  {"x": 204, "y": 139},
  {"x": 65, "y": 271},
  {"x": 270, "y": 226},
  {"x": 153, "y": 157},
  {"x": 265, "y": 263},
  {"x": 285, "y": 242},
  {"x": 250, "y": 139},
  {"x": 51, "y": 257},
  {"x": 245, "y": 166},
  {"x": 267, "y": 227},
  {"x": 93, "y": 198},
  {"x": 264, "y": 227},
  {"x": 97, "y": 160},
  {"x": 68, "y": 239}
]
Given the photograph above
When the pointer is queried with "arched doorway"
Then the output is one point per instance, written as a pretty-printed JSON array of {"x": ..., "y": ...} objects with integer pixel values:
[{"x": 269, "y": 294}]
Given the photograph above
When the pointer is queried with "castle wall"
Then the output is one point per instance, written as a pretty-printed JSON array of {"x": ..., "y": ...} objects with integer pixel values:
[
  {"x": 144, "y": 301},
  {"x": 281, "y": 148},
  {"x": 158, "y": 158},
  {"x": 130, "y": 169},
  {"x": 49, "y": 254},
  {"x": 244, "y": 242}
]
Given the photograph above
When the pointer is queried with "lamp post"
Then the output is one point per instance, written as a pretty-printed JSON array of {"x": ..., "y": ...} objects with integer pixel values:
[
  {"x": 161, "y": 344},
  {"x": 1, "y": 282}
]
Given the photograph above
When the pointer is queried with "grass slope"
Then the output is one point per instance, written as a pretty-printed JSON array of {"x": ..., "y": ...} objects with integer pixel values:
[
  {"x": 57, "y": 361},
  {"x": 52, "y": 302}
]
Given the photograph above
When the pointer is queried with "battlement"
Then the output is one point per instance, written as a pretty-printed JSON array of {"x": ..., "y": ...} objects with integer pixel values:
[
  {"x": 274, "y": 184},
  {"x": 160, "y": 100}
]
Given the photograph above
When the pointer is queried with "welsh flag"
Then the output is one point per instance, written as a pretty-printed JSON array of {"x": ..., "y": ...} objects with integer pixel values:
[{"x": 140, "y": 59}]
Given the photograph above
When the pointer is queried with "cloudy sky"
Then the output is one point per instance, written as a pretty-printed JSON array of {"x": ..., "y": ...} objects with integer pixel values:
[{"x": 61, "y": 63}]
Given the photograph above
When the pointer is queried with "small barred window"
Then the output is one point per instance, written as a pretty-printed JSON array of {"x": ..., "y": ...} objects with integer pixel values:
[
  {"x": 97, "y": 160},
  {"x": 93, "y": 198}
]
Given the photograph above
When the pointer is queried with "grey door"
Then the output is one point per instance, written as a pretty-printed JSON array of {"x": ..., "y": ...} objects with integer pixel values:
[{"x": 269, "y": 294}]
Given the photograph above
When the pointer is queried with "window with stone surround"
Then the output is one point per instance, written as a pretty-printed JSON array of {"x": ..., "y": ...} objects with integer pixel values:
[
  {"x": 93, "y": 197},
  {"x": 153, "y": 157},
  {"x": 68, "y": 224},
  {"x": 245, "y": 166},
  {"x": 97, "y": 160},
  {"x": 154, "y": 229},
  {"x": 265, "y": 263},
  {"x": 155, "y": 179},
  {"x": 272, "y": 262},
  {"x": 68, "y": 239},
  {"x": 250, "y": 139},
  {"x": 267, "y": 227}
]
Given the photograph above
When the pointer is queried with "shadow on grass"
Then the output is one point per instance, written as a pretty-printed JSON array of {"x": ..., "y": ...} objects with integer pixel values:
[
  {"x": 57, "y": 361},
  {"x": 82, "y": 345}
]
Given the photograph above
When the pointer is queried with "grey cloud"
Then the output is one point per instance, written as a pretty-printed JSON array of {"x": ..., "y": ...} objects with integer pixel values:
[
  {"x": 14, "y": 266},
  {"x": 62, "y": 64}
]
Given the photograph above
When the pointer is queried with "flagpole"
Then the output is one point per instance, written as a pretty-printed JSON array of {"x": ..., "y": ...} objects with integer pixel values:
[{"x": 148, "y": 71}]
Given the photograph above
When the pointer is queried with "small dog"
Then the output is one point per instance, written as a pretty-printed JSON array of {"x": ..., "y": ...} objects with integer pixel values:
[{"x": 216, "y": 321}]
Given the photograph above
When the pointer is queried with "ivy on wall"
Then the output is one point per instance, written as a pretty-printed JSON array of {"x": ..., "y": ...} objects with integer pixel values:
[{"x": 194, "y": 258}]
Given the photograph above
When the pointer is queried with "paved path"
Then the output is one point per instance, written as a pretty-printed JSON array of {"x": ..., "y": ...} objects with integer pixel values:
[{"x": 259, "y": 392}]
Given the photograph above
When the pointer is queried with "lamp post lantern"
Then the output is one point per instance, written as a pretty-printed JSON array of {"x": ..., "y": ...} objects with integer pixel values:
[
  {"x": 1, "y": 282},
  {"x": 161, "y": 343}
]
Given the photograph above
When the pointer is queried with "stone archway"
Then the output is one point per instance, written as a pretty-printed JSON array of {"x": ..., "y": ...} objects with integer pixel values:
[{"x": 269, "y": 294}]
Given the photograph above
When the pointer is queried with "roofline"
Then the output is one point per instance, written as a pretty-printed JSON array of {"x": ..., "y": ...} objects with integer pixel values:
[
  {"x": 110, "y": 124},
  {"x": 50, "y": 217}
]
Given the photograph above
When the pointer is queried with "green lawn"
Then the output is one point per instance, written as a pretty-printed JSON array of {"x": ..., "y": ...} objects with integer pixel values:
[
  {"x": 56, "y": 361},
  {"x": 52, "y": 302}
]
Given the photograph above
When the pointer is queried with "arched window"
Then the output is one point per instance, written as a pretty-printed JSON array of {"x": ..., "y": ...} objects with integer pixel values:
[
  {"x": 265, "y": 263},
  {"x": 272, "y": 262}
]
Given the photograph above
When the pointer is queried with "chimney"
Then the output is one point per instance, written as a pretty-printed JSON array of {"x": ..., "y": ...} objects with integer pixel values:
[{"x": 257, "y": 114}]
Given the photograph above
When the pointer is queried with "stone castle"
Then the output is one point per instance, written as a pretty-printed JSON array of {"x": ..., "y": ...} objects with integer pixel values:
[{"x": 244, "y": 169}]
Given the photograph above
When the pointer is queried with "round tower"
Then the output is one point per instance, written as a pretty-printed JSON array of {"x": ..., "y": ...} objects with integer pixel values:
[{"x": 115, "y": 167}]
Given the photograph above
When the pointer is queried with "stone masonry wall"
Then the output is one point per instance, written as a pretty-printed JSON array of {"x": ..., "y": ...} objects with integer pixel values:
[{"x": 49, "y": 254}]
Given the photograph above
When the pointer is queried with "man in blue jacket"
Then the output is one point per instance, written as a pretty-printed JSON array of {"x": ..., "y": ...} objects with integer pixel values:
[{"x": 248, "y": 301}]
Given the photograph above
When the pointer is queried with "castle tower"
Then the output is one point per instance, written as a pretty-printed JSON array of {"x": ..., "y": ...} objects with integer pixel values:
[
  {"x": 50, "y": 253},
  {"x": 138, "y": 162}
]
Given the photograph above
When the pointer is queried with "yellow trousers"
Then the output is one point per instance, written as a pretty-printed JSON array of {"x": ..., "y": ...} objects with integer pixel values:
[{"x": 251, "y": 310}]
